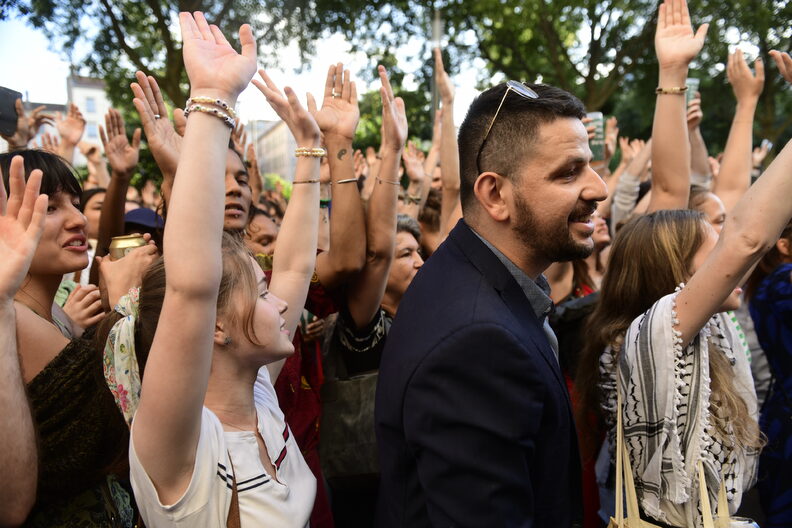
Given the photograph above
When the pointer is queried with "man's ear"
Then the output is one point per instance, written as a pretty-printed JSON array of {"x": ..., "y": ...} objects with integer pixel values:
[{"x": 490, "y": 192}]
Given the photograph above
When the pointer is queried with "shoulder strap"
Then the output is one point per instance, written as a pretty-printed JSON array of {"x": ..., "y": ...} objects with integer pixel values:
[{"x": 234, "y": 520}]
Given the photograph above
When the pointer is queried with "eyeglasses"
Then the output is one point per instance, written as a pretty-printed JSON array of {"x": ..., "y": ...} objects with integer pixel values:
[{"x": 511, "y": 86}]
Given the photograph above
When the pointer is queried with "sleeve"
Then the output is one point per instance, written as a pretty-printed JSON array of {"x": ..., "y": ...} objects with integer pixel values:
[
  {"x": 198, "y": 505},
  {"x": 660, "y": 391},
  {"x": 625, "y": 197},
  {"x": 473, "y": 409}
]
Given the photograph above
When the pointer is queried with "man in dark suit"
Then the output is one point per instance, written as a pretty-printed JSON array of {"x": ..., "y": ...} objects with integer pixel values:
[{"x": 473, "y": 418}]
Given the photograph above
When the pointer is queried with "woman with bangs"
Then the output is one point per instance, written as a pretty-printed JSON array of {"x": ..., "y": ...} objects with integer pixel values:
[
  {"x": 82, "y": 437},
  {"x": 209, "y": 445},
  {"x": 659, "y": 337}
]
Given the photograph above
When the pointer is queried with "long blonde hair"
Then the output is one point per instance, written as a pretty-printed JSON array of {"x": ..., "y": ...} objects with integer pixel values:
[{"x": 651, "y": 255}]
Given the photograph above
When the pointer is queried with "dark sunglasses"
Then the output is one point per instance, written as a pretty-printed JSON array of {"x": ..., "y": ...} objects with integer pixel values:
[{"x": 511, "y": 86}]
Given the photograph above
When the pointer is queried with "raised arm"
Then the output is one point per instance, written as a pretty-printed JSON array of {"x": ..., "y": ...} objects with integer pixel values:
[
  {"x": 295, "y": 256},
  {"x": 451, "y": 208},
  {"x": 627, "y": 188},
  {"x": 123, "y": 157},
  {"x": 338, "y": 119},
  {"x": 21, "y": 225},
  {"x": 418, "y": 189},
  {"x": 167, "y": 424},
  {"x": 734, "y": 176},
  {"x": 161, "y": 136},
  {"x": 71, "y": 129},
  {"x": 27, "y": 126},
  {"x": 675, "y": 45},
  {"x": 365, "y": 293},
  {"x": 433, "y": 157},
  {"x": 700, "y": 173}
]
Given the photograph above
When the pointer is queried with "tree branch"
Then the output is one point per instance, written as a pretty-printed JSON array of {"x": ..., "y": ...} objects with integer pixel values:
[
  {"x": 119, "y": 34},
  {"x": 161, "y": 24}
]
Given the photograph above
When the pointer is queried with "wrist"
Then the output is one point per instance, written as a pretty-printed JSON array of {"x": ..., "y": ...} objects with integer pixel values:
[
  {"x": 671, "y": 76},
  {"x": 309, "y": 141},
  {"x": 228, "y": 97},
  {"x": 338, "y": 141},
  {"x": 747, "y": 104}
]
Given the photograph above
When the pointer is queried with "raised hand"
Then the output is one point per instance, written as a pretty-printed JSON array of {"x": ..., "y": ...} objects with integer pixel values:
[
  {"x": 361, "y": 167},
  {"x": 300, "y": 122},
  {"x": 122, "y": 156},
  {"x": 694, "y": 112},
  {"x": 675, "y": 42},
  {"x": 72, "y": 126},
  {"x": 394, "y": 116},
  {"x": 627, "y": 152},
  {"x": 339, "y": 114},
  {"x": 27, "y": 125},
  {"x": 784, "y": 63},
  {"x": 413, "y": 162},
  {"x": 611, "y": 135},
  {"x": 215, "y": 69},
  {"x": 747, "y": 86},
  {"x": 164, "y": 142},
  {"x": 759, "y": 154},
  {"x": 239, "y": 136},
  {"x": 253, "y": 173},
  {"x": 444, "y": 84},
  {"x": 50, "y": 143},
  {"x": 21, "y": 224}
]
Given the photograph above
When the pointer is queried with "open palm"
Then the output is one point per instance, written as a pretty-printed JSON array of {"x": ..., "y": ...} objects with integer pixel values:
[
  {"x": 339, "y": 114},
  {"x": 21, "y": 225},
  {"x": 212, "y": 65},
  {"x": 675, "y": 42}
]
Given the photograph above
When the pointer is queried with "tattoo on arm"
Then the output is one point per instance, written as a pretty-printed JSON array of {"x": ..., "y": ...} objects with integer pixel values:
[{"x": 342, "y": 153}]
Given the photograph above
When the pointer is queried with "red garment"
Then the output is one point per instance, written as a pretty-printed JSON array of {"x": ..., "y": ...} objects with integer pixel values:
[{"x": 298, "y": 387}]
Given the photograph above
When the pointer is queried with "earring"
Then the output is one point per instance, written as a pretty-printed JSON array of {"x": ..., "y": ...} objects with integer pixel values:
[{"x": 227, "y": 341}]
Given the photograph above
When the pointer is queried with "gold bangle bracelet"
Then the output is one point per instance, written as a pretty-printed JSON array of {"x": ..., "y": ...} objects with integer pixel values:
[
  {"x": 388, "y": 181},
  {"x": 674, "y": 90},
  {"x": 348, "y": 180}
]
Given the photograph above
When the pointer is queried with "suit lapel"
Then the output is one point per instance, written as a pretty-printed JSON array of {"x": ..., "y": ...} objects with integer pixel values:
[{"x": 502, "y": 280}]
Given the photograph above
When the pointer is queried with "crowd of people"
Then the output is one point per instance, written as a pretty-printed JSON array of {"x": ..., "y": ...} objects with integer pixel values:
[{"x": 501, "y": 331}]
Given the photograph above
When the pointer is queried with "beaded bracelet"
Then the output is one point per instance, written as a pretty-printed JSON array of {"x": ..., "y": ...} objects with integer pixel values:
[
  {"x": 306, "y": 181},
  {"x": 317, "y": 152},
  {"x": 227, "y": 119},
  {"x": 348, "y": 180},
  {"x": 397, "y": 182},
  {"x": 674, "y": 90},
  {"x": 210, "y": 100}
]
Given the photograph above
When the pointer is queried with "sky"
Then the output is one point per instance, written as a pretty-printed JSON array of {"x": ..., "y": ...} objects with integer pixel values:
[{"x": 41, "y": 73}]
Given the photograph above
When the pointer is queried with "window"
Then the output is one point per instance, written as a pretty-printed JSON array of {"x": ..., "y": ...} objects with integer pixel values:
[
  {"x": 91, "y": 131},
  {"x": 90, "y": 105}
]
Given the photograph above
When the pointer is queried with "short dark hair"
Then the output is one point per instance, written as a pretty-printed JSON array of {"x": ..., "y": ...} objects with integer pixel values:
[
  {"x": 58, "y": 175},
  {"x": 408, "y": 224},
  {"x": 513, "y": 132},
  {"x": 88, "y": 194}
]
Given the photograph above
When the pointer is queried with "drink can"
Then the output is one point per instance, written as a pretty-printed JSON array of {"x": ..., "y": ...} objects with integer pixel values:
[
  {"x": 597, "y": 143},
  {"x": 692, "y": 88},
  {"x": 121, "y": 245}
]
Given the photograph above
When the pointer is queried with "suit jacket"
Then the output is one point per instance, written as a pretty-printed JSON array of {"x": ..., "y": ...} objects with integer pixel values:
[{"x": 473, "y": 417}]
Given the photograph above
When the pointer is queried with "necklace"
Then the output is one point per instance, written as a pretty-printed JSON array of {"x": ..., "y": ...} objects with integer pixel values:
[{"x": 254, "y": 429}]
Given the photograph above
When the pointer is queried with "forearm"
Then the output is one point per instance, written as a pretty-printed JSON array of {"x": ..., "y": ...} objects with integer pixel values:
[
  {"x": 734, "y": 176},
  {"x": 195, "y": 218},
  {"x": 699, "y": 165},
  {"x": 670, "y": 146},
  {"x": 101, "y": 174},
  {"x": 66, "y": 151},
  {"x": 449, "y": 150},
  {"x": 323, "y": 234},
  {"x": 431, "y": 159},
  {"x": 19, "y": 460},
  {"x": 111, "y": 221},
  {"x": 604, "y": 206},
  {"x": 347, "y": 252}
]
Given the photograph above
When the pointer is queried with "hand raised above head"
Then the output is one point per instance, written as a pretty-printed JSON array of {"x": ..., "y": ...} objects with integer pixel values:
[
  {"x": 444, "y": 84},
  {"x": 784, "y": 63},
  {"x": 394, "y": 116},
  {"x": 339, "y": 114},
  {"x": 746, "y": 85},
  {"x": 72, "y": 126},
  {"x": 122, "y": 156},
  {"x": 21, "y": 224},
  {"x": 299, "y": 120},
  {"x": 675, "y": 42},
  {"x": 215, "y": 69},
  {"x": 164, "y": 142}
]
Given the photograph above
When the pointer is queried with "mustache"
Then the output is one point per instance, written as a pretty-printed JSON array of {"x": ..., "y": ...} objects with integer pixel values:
[{"x": 584, "y": 209}]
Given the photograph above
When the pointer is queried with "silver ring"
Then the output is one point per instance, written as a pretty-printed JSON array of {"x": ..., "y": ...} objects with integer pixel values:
[
  {"x": 156, "y": 116},
  {"x": 334, "y": 94}
]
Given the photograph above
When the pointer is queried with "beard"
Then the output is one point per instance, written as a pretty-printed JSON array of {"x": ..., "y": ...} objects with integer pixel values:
[{"x": 551, "y": 242}]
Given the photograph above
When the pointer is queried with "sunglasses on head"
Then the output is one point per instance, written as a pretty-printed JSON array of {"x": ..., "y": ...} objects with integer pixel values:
[{"x": 511, "y": 86}]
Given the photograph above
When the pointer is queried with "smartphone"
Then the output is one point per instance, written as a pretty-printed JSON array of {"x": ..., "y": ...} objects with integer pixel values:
[
  {"x": 597, "y": 143},
  {"x": 692, "y": 88},
  {"x": 8, "y": 115}
]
